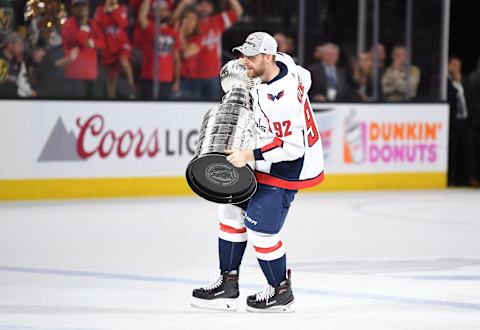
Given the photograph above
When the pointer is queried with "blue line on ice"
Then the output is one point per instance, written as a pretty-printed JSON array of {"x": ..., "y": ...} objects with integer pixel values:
[{"x": 145, "y": 278}]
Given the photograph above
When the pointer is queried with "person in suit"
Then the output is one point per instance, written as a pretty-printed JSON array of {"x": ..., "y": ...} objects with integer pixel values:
[
  {"x": 461, "y": 153},
  {"x": 329, "y": 82}
]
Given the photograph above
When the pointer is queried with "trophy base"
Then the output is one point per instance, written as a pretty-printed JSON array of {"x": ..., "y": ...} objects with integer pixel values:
[{"x": 212, "y": 177}]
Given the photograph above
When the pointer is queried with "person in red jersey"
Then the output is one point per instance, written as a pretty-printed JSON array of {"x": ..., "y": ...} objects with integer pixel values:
[
  {"x": 81, "y": 34},
  {"x": 137, "y": 32},
  {"x": 112, "y": 19},
  {"x": 167, "y": 44},
  {"x": 212, "y": 26},
  {"x": 191, "y": 43}
]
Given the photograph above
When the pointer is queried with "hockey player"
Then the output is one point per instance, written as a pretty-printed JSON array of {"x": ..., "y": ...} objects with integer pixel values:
[{"x": 288, "y": 157}]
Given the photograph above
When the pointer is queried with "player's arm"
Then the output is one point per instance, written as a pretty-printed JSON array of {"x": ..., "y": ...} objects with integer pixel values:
[
  {"x": 282, "y": 149},
  {"x": 279, "y": 150}
]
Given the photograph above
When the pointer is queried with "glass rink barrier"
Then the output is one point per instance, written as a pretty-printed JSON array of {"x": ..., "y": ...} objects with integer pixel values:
[{"x": 357, "y": 51}]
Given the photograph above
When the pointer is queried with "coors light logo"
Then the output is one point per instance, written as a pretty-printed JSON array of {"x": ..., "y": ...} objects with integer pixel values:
[{"x": 95, "y": 139}]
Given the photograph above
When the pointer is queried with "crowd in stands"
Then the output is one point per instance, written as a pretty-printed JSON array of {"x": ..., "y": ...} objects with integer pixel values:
[
  {"x": 163, "y": 50},
  {"x": 355, "y": 82},
  {"x": 105, "y": 48},
  {"x": 84, "y": 55}
]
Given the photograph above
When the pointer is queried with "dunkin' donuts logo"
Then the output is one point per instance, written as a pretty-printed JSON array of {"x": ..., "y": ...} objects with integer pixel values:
[
  {"x": 96, "y": 139},
  {"x": 390, "y": 142}
]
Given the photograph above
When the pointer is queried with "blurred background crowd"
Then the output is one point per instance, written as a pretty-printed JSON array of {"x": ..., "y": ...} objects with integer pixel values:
[{"x": 173, "y": 50}]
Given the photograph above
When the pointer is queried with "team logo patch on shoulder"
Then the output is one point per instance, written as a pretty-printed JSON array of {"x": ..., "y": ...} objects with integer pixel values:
[{"x": 273, "y": 97}]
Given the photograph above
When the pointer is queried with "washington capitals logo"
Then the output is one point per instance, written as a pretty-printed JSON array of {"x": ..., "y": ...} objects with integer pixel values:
[{"x": 273, "y": 97}]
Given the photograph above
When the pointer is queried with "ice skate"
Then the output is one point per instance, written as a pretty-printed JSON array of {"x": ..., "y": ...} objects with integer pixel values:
[
  {"x": 221, "y": 294},
  {"x": 273, "y": 300}
]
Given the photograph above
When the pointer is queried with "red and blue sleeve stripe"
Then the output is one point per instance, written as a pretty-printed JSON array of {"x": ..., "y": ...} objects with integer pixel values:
[{"x": 258, "y": 153}]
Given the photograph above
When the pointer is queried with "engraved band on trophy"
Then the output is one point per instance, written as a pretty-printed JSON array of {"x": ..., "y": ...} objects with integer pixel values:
[{"x": 229, "y": 125}]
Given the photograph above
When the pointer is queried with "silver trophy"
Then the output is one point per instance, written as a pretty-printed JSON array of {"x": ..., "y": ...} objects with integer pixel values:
[{"x": 229, "y": 125}]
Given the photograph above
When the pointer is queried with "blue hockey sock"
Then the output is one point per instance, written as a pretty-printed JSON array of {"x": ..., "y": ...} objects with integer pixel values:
[
  {"x": 231, "y": 254},
  {"x": 274, "y": 270}
]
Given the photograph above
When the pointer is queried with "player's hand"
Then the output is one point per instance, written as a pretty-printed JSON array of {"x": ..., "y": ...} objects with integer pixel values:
[{"x": 239, "y": 158}]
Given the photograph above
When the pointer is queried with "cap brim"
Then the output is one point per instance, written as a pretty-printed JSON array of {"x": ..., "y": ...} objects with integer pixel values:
[{"x": 246, "y": 50}]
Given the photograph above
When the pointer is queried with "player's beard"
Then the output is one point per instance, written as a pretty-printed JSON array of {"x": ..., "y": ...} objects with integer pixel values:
[{"x": 254, "y": 73}]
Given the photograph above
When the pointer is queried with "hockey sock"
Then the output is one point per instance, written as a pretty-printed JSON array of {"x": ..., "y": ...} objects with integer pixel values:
[
  {"x": 274, "y": 270},
  {"x": 231, "y": 254}
]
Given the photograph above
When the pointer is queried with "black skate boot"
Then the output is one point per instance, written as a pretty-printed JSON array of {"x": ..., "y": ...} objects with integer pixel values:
[
  {"x": 221, "y": 294},
  {"x": 272, "y": 300}
]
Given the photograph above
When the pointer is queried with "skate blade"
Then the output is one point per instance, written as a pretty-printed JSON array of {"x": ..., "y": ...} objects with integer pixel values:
[
  {"x": 221, "y": 304},
  {"x": 275, "y": 309}
]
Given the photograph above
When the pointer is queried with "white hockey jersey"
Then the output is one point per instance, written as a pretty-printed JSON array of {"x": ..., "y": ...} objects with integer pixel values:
[{"x": 289, "y": 149}]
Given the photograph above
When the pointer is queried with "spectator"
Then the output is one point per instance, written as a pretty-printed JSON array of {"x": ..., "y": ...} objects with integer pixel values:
[
  {"x": 167, "y": 54},
  {"x": 281, "y": 40},
  {"x": 212, "y": 26},
  {"x": 112, "y": 20},
  {"x": 285, "y": 44},
  {"x": 290, "y": 45},
  {"x": 394, "y": 80},
  {"x": 46, "y": 69},
  {"x": 363, "y": 77},
  {"x": 81, "y": 34},
  {"x": 46, "y": 76},
  {"x": 382, "y": 57},
  {"x": 461, "y": 160},
  {"x": 329, "y": 82},
  {"x": 13, "y": 72},
  {"x": 191, "y": 43},
  {"x": 137, "y": 40}
]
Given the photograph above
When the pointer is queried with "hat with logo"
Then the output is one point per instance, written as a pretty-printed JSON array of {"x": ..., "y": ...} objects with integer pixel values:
[{"x": 258, "y": 43}]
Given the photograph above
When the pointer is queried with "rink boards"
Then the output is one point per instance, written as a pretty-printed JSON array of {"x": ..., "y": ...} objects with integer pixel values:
[{"x": 66, "y": 149}]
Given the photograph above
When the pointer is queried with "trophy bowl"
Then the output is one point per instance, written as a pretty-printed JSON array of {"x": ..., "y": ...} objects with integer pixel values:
[{"x": 229, "y": 125}]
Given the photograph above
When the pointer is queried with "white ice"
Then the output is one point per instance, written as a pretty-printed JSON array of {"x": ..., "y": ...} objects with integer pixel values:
[{"x": 361, "y": 260}]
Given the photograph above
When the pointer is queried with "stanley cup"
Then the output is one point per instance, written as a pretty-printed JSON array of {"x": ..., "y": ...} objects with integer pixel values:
[{"x": 229, "y": 125}]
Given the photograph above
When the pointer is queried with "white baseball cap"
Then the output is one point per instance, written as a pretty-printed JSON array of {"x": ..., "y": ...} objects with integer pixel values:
[{"x": 258, "y": 43}]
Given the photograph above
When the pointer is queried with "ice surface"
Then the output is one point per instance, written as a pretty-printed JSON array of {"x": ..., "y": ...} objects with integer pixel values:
[{"x": 360, "y": 260}]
